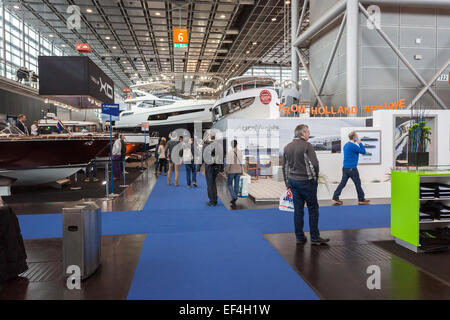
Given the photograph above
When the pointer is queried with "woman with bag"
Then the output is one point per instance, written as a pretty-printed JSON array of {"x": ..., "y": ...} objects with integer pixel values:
[{"x": 233, "y": 171}]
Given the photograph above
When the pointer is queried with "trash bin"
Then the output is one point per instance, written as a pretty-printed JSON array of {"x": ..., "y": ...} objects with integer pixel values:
[{"x": 82, "y": 235}]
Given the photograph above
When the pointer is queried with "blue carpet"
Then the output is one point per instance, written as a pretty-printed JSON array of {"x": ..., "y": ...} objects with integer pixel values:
[{"x": 196, "y": 252}]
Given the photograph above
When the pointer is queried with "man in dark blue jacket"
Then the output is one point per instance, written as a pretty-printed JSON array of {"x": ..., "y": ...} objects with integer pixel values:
[
  {"x": 352, "y": 149},
  {"x": 20, "y": 124}
]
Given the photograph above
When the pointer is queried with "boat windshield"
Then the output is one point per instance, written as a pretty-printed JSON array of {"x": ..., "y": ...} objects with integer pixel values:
[
  {"x": 155, "y": 103},
  {"x": 239, "y": 85}
]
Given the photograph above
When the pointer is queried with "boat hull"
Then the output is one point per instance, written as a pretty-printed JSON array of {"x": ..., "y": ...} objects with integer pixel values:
[
  {"x": 30, "y": 153},
  {"x": 40, "y": 175}
]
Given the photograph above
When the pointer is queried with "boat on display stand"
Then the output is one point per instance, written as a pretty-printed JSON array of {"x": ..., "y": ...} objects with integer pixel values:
[
  {"x": 164, "y": 111},
  {"x": 30, "y": 160},
  {"x": 251, "y": 97}
]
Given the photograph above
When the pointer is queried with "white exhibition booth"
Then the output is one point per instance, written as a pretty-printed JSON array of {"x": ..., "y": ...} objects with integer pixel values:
[{"x": 383, "y": 137}]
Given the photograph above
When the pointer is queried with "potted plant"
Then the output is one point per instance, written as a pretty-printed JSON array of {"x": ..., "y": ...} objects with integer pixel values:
[{"x": 419, "y": 137}]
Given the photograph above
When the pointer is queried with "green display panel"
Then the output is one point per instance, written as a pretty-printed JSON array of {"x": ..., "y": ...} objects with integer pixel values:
[{"x": 405, "y": 206}]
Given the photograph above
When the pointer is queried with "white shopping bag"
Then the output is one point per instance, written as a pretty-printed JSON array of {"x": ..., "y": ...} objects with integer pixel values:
[
  {"x": 243, "y": 186},
  {"x": 287, "y": 201}
]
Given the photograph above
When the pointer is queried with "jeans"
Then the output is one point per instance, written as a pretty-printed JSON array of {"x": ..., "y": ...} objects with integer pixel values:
[
  {"x": 191, "y": 170},
  {"x": 354, "y": 175},
  {"x": 211, "y": 173},
  {"x": 92, "y": 165},
  {"x": 234, "y": 190},
  {"x": 305, "y": 191},
  {"x": 116, "y": 166}
]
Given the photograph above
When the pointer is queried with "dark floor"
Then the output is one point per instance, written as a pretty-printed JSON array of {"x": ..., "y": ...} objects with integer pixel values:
[
  {"x": 338, "y": 271},
  {"x": 44, "y": 279},
  {"x": 131, "y": 198}
]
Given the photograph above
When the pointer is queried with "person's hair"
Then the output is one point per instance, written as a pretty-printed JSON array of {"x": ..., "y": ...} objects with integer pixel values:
[
  {"x": 20, "y": 116},
  {"x": 35, "y": 122},
  {"x": 213, "y": 137},
  {"x": 351, "y": 135},
  {"x": 234, "y": 143},
  {"x": 180, "y": 138},
  {"x": 163, "y": 142},
  {"x": 299, "y": 130}
]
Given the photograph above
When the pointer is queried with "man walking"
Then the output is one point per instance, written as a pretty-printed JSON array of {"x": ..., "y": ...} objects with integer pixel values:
[
  {"x": 189, "y": 163},
  {"x": 213, "y": 166},
  {"x": 301, "y": 172},
  {"x": 352, "y": 149}
]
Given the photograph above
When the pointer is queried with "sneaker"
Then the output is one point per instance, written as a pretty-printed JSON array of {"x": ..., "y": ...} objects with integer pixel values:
[
  {"x": 364, "y": 202},
  {"x": 211, "y": 204},
  {"x": 319, "y": 241},
  {"x": 337, "y": 202},
  {"x": 302, "y": 242},
  {"x": 195, "y": 184},
  {"x": 87, "y": 180},
  {"x": 233, "y": 201},
  {"x": 96, "y": 180},
  {"x": 189, "y": 186}
]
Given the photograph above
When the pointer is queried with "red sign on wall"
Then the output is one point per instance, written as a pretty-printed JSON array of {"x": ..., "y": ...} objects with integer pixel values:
[
  {"x": 265, "y": 97},
  {"x": 83, "y": 47}
]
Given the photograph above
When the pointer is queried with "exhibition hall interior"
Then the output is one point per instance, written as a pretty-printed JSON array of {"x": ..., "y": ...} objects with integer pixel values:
[{"x": 224, "y": 150}]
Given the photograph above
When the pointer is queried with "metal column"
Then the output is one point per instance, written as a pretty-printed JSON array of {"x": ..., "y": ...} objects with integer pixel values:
[
  {"x": 294, "y": 57},
  {"x": 352, "y": 52}
]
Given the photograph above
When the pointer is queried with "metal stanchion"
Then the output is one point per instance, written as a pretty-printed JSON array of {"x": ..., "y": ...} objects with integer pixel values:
[
  {"x": 124, "y": 185},
  {"x": 106, "y": 180},
  {"x": 76, "y": 180}
]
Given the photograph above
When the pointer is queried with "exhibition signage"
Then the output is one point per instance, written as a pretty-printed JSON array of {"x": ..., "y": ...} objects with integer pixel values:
[
  {"x": 145, "y": 126},
  {"x": 180, "y": 38},
  {"x": 265, "y": 97},
  {"x": 74, "y": 79},
  {"x": 111, "y": 110},
  {"x": 83, "y": 47},
  {"x": 444, "y": 77}
]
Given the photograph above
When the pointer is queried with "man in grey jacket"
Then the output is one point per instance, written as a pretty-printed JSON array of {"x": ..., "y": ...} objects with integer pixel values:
[{"x": 301, "y": 173}]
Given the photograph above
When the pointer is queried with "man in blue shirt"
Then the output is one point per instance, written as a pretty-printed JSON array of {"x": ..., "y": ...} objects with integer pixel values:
[{"x": 352, "y": 149}]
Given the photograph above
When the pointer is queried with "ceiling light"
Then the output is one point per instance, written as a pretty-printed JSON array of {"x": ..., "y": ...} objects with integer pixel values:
[
  {"x": 158, "y": 13},
  {"x": 16, "y": 7},
  {"x": 274, "y": 19},
  {"x": 50, "y": 35},
  {"x": 254, "y": 43},
  {"x": 88, "y": 10},
  {"x": 63, "y": 45},
  {"x": 107, "y": 38},
  {"x": 237, "y": 65},
  {"x": 124, "y": 61},
  {"x": 114, "y": 47},
  {"x": 161, "y": 39},
  {"x": 222, "y": 16},
  {"x": 247, "y": 52}
]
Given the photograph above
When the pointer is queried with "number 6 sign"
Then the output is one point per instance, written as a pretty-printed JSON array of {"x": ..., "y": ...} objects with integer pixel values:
[{"x": 180, "y": 35}]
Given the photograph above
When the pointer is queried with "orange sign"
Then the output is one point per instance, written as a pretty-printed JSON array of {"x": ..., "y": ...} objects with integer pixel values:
[
  {"x": 83, "y": 47},
  {"x": 180, "y": 35}
]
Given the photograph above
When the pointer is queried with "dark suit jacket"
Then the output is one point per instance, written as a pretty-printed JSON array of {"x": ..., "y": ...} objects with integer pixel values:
[{"x": 21, "y": 127}]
